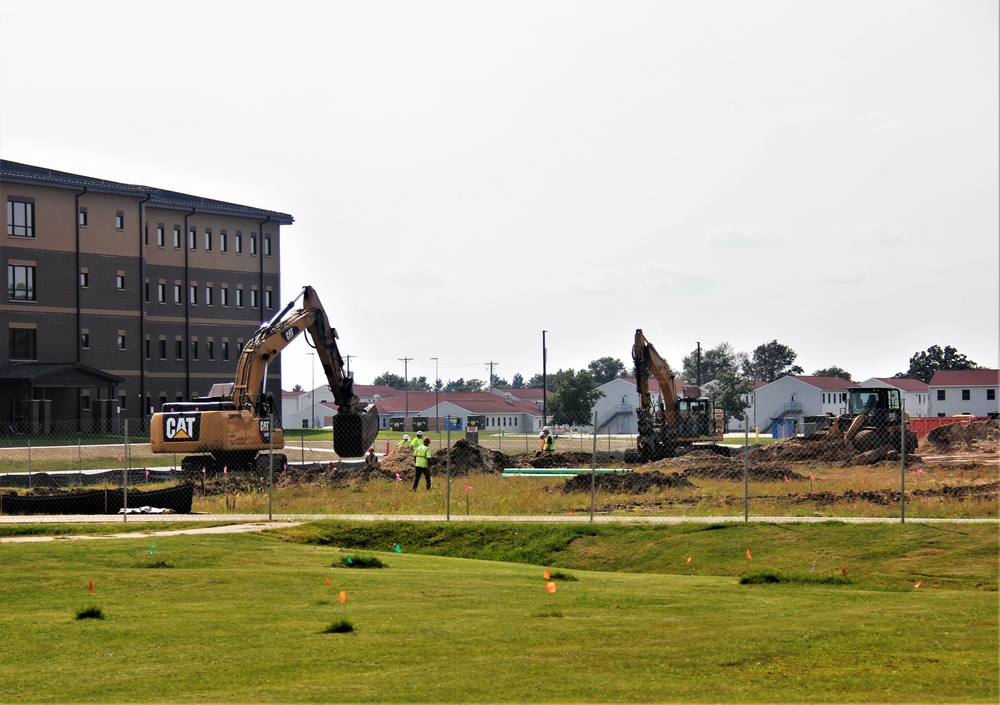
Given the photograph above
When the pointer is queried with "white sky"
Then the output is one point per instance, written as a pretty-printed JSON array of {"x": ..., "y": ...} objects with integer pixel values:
[{"x": 464, "y": 175}]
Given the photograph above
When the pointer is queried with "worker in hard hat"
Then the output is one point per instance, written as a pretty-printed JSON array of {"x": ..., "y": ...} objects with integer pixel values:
[
  {"x": 418, "y": 441},
  {"x": 371, "y": 461},
  {"x": 422, "y": 463},
  {"x": 548, "y": 440},
  {"x": 405, "y": 441}
]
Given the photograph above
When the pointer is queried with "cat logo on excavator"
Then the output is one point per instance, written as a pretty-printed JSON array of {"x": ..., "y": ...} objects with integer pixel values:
[{"x": 180, "y": 427}]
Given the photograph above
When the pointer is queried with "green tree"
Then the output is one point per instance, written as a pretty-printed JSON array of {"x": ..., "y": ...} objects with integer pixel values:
[
  {"x": 419, "y": 384},
  {"x": 833, "y": 372},
  {"x": 517, "y": 381},
  {"x": 923, "y": 365},
  {"x": 298, "y": 388},
  {"x": 499, "y": 382},
  {"x": 536, "y": 382},
  {"x": 605, "y": 369},
  {"x": 727, "y": 392},
  {"x": 771, "y": 361},
  {"x": 460, "y": 385},
  {"x": 714, "y": 363},
  {"x": 387, "y": 379},
  {"x": 573, "y": 397}
]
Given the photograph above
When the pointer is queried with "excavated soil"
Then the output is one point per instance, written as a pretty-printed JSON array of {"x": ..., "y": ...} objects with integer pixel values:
[{"x": 977, "y": 437}]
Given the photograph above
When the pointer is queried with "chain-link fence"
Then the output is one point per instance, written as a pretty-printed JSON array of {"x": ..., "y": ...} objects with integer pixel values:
[{"x": 851, "y": 468}]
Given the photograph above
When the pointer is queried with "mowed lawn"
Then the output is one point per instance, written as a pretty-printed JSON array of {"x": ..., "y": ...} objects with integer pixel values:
[{"x": 241, "y": 618}]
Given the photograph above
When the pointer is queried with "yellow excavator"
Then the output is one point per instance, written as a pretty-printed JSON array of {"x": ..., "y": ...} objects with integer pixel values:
[
  {"x": 674, "y": 424},
  {"x": 238, "y": 420}
]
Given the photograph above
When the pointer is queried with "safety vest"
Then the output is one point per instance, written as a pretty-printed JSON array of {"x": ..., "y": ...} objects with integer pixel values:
[
  {"x": 417, "y": 442},
  {"x": 549, "y": 443},
  {"x": 423, "y": 456}
]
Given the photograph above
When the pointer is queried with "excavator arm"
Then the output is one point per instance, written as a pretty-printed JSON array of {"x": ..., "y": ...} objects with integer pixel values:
[
  {"x": 649, "y": 362},
  {"x": 356, "y": 424}
]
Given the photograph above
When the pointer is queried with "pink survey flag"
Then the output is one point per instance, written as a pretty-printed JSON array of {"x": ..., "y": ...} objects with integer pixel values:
[
  {"x": 147, "y": 474},
  {"x": 225, "y": 469},
  {"x": 786, "y": 478},
  {"x": 202, "y": 469},
  {"x": 398, "y": 478},
  {"x": 811, "y": 476},
  {"x": 467, "y": 488},
  {"x": 920, "y": 471}
]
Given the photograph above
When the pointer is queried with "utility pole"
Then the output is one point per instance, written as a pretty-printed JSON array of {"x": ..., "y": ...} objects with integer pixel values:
[
  {"x": 545, "y": 417},
  {"x": 697, "y": 379},
  {"x": 490, "y": 365},
  {"x": 348, "y": 364},
  {"x": 406, "y": 389}
]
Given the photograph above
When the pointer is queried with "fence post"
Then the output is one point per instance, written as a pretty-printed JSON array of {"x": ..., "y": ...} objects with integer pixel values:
[
  {"x": 270, "y": 467},
  {"x": 746, "y": 472},
  {"x": 447, "y": 466},
  {"x": 593, "y": 468},
  {"x": 79, "y": 459},
  {"x": 902, "y": 461},
  {"x": 125, "y": 473},
  {"x": 29, "y": 462}
]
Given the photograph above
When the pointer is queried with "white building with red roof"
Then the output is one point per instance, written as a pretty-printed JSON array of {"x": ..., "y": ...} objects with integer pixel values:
[
  {"x": 798, "y": 397},
  {"x": 964, "y": 392}
]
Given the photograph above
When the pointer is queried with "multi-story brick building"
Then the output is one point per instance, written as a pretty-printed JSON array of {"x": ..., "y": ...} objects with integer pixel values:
[{"x": 121, "y": 297}]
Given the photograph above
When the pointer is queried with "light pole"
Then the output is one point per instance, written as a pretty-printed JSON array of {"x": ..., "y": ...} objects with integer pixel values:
[
  {"x": 312, "y": 390},
  {"x": 437, "y": 412}
]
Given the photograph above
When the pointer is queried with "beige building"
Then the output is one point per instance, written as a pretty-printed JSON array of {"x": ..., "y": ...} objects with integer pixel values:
[{"x": 122, "y": 297}]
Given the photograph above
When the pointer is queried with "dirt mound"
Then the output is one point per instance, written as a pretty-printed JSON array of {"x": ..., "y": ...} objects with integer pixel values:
[
  {"x": 888, "y": 497},
  {"x": 978, "y": 437},
  {"x": 628, "y": 483},
  {"x": 561, "y": 459},
  {"x": 736, "y": 474}
]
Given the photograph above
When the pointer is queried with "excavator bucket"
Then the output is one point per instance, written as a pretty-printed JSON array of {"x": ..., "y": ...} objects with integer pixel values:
[{"x": 354, "y": 433}]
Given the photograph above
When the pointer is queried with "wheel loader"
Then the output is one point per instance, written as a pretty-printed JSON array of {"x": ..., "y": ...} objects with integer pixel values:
[
  {"x": 239, "y": 420},
  {"x": 874, "y": 419}
]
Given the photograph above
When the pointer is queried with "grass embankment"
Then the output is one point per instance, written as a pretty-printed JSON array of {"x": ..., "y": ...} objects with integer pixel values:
[{"x": 243, "y": 618}]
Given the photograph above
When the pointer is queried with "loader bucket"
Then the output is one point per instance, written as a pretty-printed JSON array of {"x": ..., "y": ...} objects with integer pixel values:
[{"x": 354, "y": 433}]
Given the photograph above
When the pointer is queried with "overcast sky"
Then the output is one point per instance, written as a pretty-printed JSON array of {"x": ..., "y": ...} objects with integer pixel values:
[{"x": 465, "y": 175}]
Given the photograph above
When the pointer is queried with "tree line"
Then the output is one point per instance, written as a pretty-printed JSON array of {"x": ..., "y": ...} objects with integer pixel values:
[{"x": 724, "y": 374}]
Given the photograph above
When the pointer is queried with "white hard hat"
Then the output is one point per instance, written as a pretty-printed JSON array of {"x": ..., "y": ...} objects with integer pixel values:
[
  {"x": 406, "y": 436},
  {"x": 545, "y": 428},
  {"x": 541, "y": 434},
  {"x": 420, "y": 433}
]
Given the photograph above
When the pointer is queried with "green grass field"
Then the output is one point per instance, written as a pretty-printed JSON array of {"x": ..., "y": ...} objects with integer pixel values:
[{"x": 461, "y": 614}]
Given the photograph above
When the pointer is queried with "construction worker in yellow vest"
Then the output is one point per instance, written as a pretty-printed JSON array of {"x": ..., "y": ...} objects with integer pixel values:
[
  {"x": 548, "y": 440},
  {"x": 418, "y": 441},
  {"x": 405, "y": 441},
  {"x": 422, "y": 462}
]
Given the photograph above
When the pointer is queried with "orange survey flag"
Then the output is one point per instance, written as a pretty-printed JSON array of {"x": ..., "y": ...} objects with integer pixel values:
[
  {"x": 688, "y": 560},
  {"x": 328, "y": 581},
  {"x": 546, "y": 574},
  {"x": 90, "y": 586},
  {"x": 550, "y": 587},
  {"x": 343, "y": 596},
  {"x": 749, "y": 557}
]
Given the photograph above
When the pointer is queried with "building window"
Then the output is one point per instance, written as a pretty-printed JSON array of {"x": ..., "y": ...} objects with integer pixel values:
[
  {"x": 194, "y": 349},
  {"x": 193, "y": 295},
  {"x": 147, "y": 345},
  {"x": 84, "y": 280},
  {"x": 253, "y": 298},
  {"x": 193, "y": 239},
  {"x": 991, "y": 394},
  {"x": 85, "y": 402},
  {"x": 267, "y": 245},
  {"x": 210, "y": 349},
  {"x": 239, "y": 298},
  {"x": 208, "y": 240},
  {"x": 121, "y": 341},
  {"x": 940, "y": 395},
  {"x": 160, "y": 235},
  {"x": 121, "y": 401},
  {"x": 20, "y": 282},
  {"x": 85, "y": 341},
  {"x": 82, "y": 217},
  {"x": 179, "y": 349},
  {"x": 225, "y": 351},
  {"x": 269, "y": 299},
  {"x": 224, "y": 296},
  {"x": 161, "y": 293},
  {"x": 23, "y": 344},
  {"x": 239, "y": 347},
  {"x": 20, "y": 217},
  {"x": 120, "y": 282},
  {"x": 253, "y": 244},
  {"x": 208, "y": 296},
  {"x": 239, "y": 242},
  {"x": 177, "y": 237},
  {"x": 162, "y": 348},
  {"x": 119, "y": 220},
  {"x": 177, "y": 294},
  {"x": 146, "y": 292},
  {"x": 966, "y": 395},
  {"x": 223, "y": 241}
]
